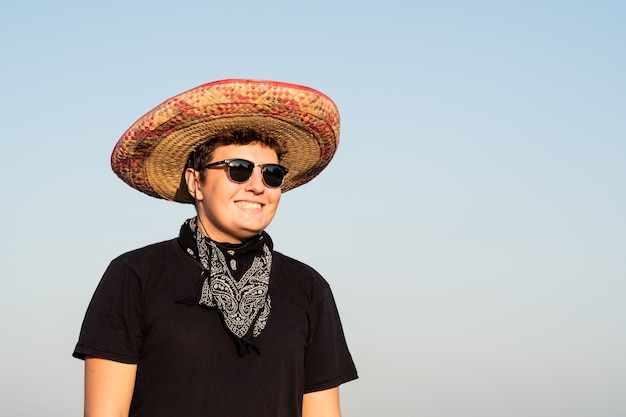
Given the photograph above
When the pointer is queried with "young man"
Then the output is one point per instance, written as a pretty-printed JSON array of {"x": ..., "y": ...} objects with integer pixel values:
[{"x": 215, "y": 322}]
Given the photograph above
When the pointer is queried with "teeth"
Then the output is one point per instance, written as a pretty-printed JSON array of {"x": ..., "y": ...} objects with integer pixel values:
[{"x": 248, "y": 205}]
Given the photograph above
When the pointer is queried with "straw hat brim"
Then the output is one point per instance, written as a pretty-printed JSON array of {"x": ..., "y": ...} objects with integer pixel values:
[{"x": 151, "y": 155}]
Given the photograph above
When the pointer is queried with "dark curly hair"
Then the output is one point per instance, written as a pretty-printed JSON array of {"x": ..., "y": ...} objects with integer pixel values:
[{"x": 203, "y": 154}]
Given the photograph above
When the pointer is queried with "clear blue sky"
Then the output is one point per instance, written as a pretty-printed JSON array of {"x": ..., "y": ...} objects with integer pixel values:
[{"x": 472, "y": 224}]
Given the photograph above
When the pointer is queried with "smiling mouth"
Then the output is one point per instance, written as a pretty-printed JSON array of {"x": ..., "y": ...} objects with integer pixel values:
[{"x": 248, "y": 205}]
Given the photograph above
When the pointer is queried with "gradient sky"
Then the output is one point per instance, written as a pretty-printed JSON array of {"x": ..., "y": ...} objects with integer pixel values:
[{"x": 472, "y": 224}]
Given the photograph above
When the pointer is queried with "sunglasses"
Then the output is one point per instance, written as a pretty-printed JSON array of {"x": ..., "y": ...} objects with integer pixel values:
[{"x": 240, "y": 170}]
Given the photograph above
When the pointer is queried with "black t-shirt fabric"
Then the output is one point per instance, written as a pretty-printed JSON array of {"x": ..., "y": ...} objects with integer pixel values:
[{"x": 187, "y": 363}]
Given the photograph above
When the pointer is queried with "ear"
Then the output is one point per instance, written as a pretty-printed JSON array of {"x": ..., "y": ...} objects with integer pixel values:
[{"x": 193, "y": 184}]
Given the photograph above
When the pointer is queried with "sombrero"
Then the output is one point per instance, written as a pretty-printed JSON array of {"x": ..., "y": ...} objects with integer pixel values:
[{"x": 150, "y": 156}]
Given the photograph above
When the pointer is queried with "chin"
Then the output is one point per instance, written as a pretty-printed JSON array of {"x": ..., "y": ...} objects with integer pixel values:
[
  {"x": 250, "y": 233},
  {"x": 246, "y": 232}
]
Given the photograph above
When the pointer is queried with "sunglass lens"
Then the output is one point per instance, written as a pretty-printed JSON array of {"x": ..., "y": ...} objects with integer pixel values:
[
  {"x": 240, "y": 170},
  {"x": 273, "y": 175}
]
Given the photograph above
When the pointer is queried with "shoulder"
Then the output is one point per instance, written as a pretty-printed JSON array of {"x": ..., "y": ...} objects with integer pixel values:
[
  {"x": 152, "y": 269},
  {"x": 300, "y": 274},
  {"x": 293, "y": 265},
  {"x": 151, "y": 252},
  {"x": 150, "y": 258}
]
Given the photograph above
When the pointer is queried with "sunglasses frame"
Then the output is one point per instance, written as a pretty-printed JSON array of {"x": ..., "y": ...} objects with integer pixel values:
[{"x": 228, "y": 163}]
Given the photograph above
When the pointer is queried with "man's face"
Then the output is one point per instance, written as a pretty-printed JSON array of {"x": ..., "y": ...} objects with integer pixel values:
[{"x": 233, "y": 212}]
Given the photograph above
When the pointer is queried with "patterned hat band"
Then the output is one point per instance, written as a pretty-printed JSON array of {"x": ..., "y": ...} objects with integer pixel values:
[{"x": 151, "y": 155}]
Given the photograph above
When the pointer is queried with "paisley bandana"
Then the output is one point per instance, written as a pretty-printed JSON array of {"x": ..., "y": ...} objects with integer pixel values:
[{"x": 235, "y": 281}]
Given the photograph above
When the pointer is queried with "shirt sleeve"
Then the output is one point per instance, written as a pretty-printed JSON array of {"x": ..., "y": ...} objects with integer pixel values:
[
  {"x": 328, "y": 362},
  {"x": 111, "y": 328}
]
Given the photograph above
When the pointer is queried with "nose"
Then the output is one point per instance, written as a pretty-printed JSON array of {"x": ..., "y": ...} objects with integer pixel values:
[{"x": 255, "y": 183}]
